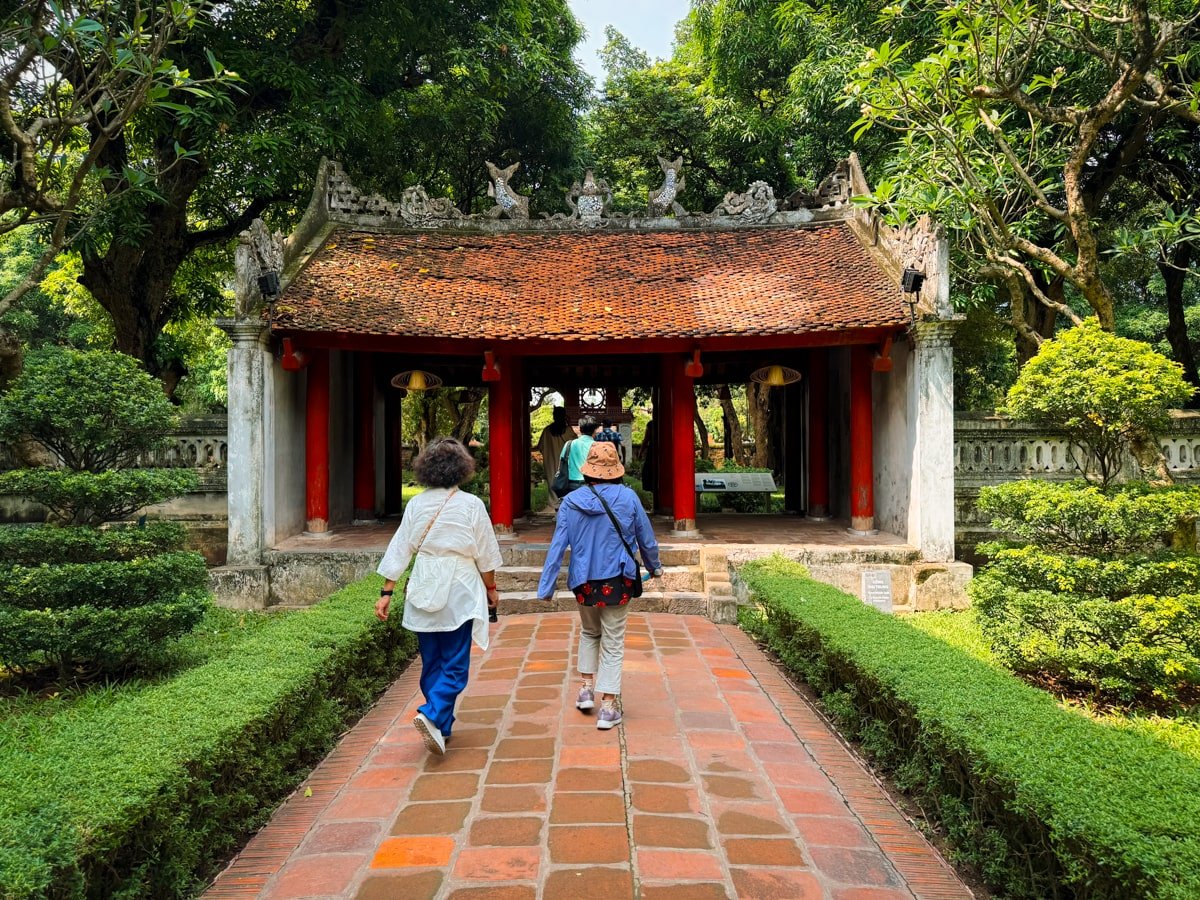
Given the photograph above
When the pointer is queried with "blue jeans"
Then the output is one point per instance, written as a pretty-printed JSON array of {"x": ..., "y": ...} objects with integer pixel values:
[{"x": 445, "y": 665}]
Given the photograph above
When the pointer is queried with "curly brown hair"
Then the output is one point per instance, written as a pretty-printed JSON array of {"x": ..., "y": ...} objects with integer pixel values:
[{"x": 444, "y": 463}]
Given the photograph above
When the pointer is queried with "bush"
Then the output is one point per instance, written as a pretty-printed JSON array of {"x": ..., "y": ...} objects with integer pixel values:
[
  {"x": 1107, "y": 393},
  {"x": 99, "y": 614},
  {"x": 33, "y": 545},
  {"x": 1046, "y": 803},
  {"x": 92, "y": 498},
  {"x": 145, "y": 793},
  {"x": 95, "y": 409},
  {"x": 1075, "y": 517}
]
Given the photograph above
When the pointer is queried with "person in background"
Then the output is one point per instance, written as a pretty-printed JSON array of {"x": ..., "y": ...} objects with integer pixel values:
[
  {"x": 448, "y": 607},
  {"x": 576, "y": 452},
  {"x": 608, "y": 432},
  {"x": 602, "y": 573},
  {"x": 550, "y": 444}
]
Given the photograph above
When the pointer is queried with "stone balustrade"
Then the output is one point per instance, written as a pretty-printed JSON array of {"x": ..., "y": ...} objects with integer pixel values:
[{"x": 199, "y": 443}]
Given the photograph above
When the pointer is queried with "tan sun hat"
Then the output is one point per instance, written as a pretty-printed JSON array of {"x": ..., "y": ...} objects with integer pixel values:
[{"x": 602, "y": 462}]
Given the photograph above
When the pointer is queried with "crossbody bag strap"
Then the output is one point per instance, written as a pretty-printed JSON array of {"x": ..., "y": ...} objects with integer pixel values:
[
  {"x": 637, "y": 565},
  {"x": 428, "y": 527}
]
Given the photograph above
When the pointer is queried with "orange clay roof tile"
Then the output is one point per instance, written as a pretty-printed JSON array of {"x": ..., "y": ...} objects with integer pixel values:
[{"x": 591, "y": 285}]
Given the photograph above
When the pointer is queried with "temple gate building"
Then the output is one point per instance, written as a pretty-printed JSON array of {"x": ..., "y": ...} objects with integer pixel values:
[{"x": 590, "y": 303}]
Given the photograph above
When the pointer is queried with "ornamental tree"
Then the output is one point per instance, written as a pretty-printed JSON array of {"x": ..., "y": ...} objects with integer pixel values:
[{"x": 1107, "y": 393}]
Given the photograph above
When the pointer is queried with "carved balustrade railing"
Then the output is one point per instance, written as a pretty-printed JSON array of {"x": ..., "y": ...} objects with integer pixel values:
[{"x": 991, "y": 450}]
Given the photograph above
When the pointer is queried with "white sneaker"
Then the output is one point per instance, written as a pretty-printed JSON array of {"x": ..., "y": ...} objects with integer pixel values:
[{"x": 434, "y": 742}]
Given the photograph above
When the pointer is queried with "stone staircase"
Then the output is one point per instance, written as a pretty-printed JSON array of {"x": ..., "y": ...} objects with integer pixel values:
[{"x": 683, "y": 588}]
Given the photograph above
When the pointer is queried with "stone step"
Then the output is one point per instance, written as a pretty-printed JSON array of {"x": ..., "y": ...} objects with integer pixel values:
[
  {"x": 526, "y": 578},
  {"x": 681, "y": 602},
  {"x": 522, "y": 554},
  {"x": 721, "y": 589}
]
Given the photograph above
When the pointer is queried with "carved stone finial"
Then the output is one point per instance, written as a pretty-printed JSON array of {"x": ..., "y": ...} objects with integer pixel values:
[
  {"x": 756, "y": 205},
  {"x": 508, "y": 202},
  {"x": 662, "y": 201},
  {"x": 416, "y": 208},
  {"x": 259, "y": 250},
  {"x": 832, "y": 192}
]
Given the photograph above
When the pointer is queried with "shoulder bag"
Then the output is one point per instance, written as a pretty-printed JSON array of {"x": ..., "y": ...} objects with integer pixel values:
[
  {"x": 562, "y": 482},
  {"x": 636, "y": 587},
  {"x": 428, "y": 584}
]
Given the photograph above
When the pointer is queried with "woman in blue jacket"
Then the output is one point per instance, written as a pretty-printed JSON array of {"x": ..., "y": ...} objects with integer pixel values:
[{"x": 602, "y": 523}]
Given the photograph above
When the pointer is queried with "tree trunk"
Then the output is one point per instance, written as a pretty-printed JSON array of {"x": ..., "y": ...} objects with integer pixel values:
[
  {"x": 734, "y": 426},
  {"x": 463, "y": 409},
  {"x": 758, "y": 409},
  {"x": 1174, "y": 276},
  {"x": 702, "y": 430}
]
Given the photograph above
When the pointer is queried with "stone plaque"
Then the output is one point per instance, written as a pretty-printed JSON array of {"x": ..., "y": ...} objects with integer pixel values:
[{"x": 877, "y": 588}]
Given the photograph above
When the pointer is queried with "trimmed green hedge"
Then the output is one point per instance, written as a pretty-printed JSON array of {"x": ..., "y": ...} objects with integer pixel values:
[
  {"x": 144, "y": 796},
  {"x": 35, "y": 545},
  {"x": 105, "y": 585},
  {"x": 1045, "y": 802}
]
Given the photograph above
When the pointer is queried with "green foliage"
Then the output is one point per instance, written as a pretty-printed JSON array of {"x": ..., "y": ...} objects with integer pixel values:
[
  {"x": 1043, "y": 801},
  {"x": 36, "y": 545},
  {"x": 96, "y": 410},
  {"x": 1104, "y": 391},
  {"x": 145, "y": 789},
  {"x": 86, "y": 498},
  {"x": 1081, "y": 518}
]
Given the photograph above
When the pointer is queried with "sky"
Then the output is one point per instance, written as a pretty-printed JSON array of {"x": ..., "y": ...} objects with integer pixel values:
[{"x": 649, "y": 25}]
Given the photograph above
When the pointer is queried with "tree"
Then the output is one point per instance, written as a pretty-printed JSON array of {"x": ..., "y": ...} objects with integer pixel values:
[
  {"x": 1109, "y": 394},
  {"x": 404, "y": 91},
  {"x": 73, "y": 76},
  {"x": 1016, "y": 126}
]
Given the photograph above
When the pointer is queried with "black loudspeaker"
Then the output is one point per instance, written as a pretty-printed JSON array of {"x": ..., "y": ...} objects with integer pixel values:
[
  {"x": 268, "y": 284},
  {"x": 911, "y": 281}
]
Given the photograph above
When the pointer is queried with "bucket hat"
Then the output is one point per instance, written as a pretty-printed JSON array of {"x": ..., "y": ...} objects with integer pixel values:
[{"x": 602, "y": 462}]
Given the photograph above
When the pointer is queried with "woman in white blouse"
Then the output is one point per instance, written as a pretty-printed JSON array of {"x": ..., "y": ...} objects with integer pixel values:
[{"x": 453, "y": 583}]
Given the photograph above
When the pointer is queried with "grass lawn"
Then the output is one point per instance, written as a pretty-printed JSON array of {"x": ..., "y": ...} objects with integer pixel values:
[{"x": 960, "y": 628}]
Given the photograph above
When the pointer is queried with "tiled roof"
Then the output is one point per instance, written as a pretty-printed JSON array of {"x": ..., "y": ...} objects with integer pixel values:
[{"x": 591, "y": 285}]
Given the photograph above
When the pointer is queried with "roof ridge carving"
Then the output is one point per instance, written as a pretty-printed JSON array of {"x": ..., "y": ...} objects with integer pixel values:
[{"x": 588, "y": 204}]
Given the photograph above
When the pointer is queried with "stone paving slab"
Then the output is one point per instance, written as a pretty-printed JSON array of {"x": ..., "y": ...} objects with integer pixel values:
[{"x": 722, "y": 782}]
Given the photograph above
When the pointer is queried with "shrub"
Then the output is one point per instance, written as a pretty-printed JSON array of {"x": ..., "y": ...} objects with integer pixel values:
[
  {"x": 1106, "y": 392},
  {"x": 33, "y": 545},
  {"x": 95, "y": 409},
  {"x": 145, "y": 792},
  {"x": 92, "y": 498},
  {"x": 1046, "y": 803},
  {"x": 1075, "y": 517}
]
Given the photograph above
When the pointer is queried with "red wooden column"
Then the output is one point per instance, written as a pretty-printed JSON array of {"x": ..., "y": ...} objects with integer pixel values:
[
  {"x": 500, "y": 448},
  {"x": 683, "y": 454},
  {"x": 662, "y": 420},
  {"x": 818, "y": 435},
  {"x": 862, "y": 450},
  {"x": 364, "y": 436},
  {"x": 520, "y": 432},
  {"x": 316, "y": 444}
]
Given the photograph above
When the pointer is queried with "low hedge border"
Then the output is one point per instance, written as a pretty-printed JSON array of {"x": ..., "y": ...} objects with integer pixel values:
[
  {"x": 143, "y": 797},
  {"x": 1044, "y": 802}
]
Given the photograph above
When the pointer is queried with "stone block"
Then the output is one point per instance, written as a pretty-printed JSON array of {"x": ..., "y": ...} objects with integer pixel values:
[
  {"x": 307, "y": 578},
  {"x": 687, "y": 604},
  {"x": 240, "y": 587},
  {"x": 723, "y": 610},
  {"x": 940, "y": 586}
]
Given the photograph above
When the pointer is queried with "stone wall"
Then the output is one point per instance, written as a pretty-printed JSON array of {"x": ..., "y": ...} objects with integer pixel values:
[{"x": 990, "y": 450}]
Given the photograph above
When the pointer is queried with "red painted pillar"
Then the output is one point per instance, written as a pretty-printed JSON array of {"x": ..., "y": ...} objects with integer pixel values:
[
  {"x": 519, "y": 450},
  {"x": 364, "y": 436},
  {"x": 316, "y": 444},
  {"x": 818, "y": 435},
  {"x": 862, "y": 451},
  {"x": 500, "y": 448},
  {"x": 662, "y": 420},
  {"x": 683, "y": 453}
]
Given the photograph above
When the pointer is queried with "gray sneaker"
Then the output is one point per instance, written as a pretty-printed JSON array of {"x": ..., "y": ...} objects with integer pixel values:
[
  {"x": 434, "y": 742},
  {"x": 609, "y": 717},
  {"x": 586, "y": 699}
]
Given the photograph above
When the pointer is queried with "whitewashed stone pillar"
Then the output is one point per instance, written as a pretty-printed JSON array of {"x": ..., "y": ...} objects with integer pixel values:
[
  {"x": 931, "y": 511},
  {"x": 249, "y": 363}
]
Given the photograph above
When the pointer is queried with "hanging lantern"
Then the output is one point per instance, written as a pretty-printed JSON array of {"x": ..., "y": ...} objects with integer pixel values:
[
  {"x": 775, "y": 376},
  {"x": 416, "y": 380}
]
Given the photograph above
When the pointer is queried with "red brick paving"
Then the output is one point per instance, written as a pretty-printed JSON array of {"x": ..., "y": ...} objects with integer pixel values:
[{"x": 723, "y": 782}]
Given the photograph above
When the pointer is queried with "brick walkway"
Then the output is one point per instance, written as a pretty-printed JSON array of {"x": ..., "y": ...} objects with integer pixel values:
[{"x": 721, "y": 783}]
